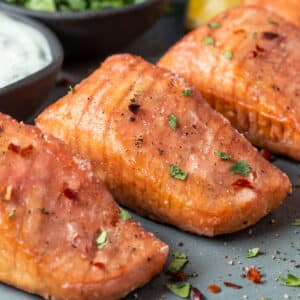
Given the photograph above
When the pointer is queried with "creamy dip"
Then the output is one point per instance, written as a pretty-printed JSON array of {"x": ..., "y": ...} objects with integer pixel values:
[{"x": 23, "y": 50}]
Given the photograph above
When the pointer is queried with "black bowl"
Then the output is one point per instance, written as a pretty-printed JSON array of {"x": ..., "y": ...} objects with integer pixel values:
[
  {"x": 89, "y": 33},
  {"x": 23, "y": 97}
]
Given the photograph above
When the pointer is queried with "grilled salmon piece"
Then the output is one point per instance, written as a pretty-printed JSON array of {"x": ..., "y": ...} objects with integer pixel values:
[
  {"x": 60, "y": 232},
  {"x": 155, "y": 142},
  {"x": 246, "y": 63},
  {"x": 289, "y": 9}
]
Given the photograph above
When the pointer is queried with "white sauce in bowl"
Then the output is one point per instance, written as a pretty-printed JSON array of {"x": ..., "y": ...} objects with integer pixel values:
[{"x": 23, "y": 50}]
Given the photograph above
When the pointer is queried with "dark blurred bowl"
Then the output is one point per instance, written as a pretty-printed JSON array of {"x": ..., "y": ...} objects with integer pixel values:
[
  {"x": 23, "y": 97},
  {"x": 90, "y": 33}
]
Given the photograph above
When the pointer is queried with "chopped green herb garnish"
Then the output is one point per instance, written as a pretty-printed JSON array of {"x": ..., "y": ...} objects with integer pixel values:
[
  {"x": 102, "y": 240},
  {"x": 252, "y": 253},
  {"x": 178, "y": 262},
  {"x": 71, "y": 90},
  {"x": 181, "y": 289},
  {"x": 140, "y": 90},
  {"x": 72, "y": 5},
  {"x": 186, "y": 92},
  {"x": 208, "y": 40},
  {"x": 44, "y": 211},
  {"x": 214, "y": 25},
  {"x": 240, "y": 167},
  {"x": 11, "y": 213},
  {"x": 222, "y": 155},
  {"x": 228, "y": 54},
  {"x": 291, "y": 280},
  {"x": 124, "y": 214},
  {"x": 255, "y": 35},
  {"x": 272, "y": 22},
  {"x": 177, "y": 173},
  {"x": 172, "y": 121},
  {"x": 296, "y": 222}
]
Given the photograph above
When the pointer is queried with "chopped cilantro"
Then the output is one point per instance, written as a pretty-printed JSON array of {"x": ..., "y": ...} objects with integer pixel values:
[
  {"x": 178, "y": 262},
  {"x": 228, "y": 54},
  {"x": 296, "y": 222},
  {"x": 272, "y": 22},
  {"x": 214, "y": 25},
  {"x": 186, "y": 92},
  {"x": 222, "y": 155},
  {"x": 181, "y": 289},
  {"x": 208, "y": 40},
  {"x": 71, "y": 90},
  {"x": 255, "y": 35},
  {"x": 172, "y": 121},
  {"x": 140, "y": 90},
  {"x": 101, "y": 240},
  {"x": 11, "y": 213},
  {"x": 291, "y": 280},
  {"x": 252, "y": 253},
  {"x": 177, "y": 173},
  {"x": 240, "y": 167},
  {"x": 72, "y": 5},
  {"x": 44, "y": 211},
  {"x": 124, "y": 214}
]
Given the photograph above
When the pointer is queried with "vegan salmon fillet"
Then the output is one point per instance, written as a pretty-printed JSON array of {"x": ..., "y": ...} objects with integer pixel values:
[
  {"x": 60, "y": 232},
  {"x": 163, "y": 151},
  {"x": 246, "y": 63}
]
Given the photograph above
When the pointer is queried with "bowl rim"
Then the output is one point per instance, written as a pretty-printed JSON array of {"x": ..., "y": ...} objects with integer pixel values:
[
  {"x": 57, "y": 54},
  {"x": 69, "y": 15}
]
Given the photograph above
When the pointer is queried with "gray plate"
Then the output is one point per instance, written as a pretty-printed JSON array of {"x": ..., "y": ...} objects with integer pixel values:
[{"x": 211, "y": 258}]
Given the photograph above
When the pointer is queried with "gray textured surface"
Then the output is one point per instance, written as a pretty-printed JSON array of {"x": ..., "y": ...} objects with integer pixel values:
[{"x": 219, "y": 259}]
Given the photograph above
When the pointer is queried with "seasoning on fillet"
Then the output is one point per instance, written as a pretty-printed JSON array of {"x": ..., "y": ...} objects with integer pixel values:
[
  {"x": 250, "y": 75},
  {"x": 57, "y": 215},
  {"x": 174, "y": 176}
]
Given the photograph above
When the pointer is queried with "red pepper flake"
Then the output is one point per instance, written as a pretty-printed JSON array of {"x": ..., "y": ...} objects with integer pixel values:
[
  {"x": 270, "y": 35},
  {"x": 25, "y": 151},
  {"x": 98, "y": 265},
  {"x": 242, "y": 183},
  {"x": 232, "y": 285},
  {"x": 254, "y": 275},
  {"x": 22, "y": 151},
  {"x": 254, "y": 54},
  {"x": 14, "y": 148},
  {"x": 239, "y": 30},
  {"x": 134, "y": 108},
  {"x": 213, "y": 288},
  {"x": 69, "y": 194},
  {"x": 196, "y": 294},
  {"x": 259, "y": 49},
  {"x": 179, "y": 277},
  {"x": 266, "y": 154}
]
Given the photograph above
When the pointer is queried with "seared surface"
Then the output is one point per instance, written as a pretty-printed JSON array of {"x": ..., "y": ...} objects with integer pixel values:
[
  {"x": 289, "y": 9},
  {"x": 52, "y": 208},
  {"x": 258, "y": 89},
  {"x": 118, "y": 117}
]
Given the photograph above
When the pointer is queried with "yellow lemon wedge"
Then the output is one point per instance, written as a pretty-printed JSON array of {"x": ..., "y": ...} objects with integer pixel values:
[{"x": 200, "y": 11}]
